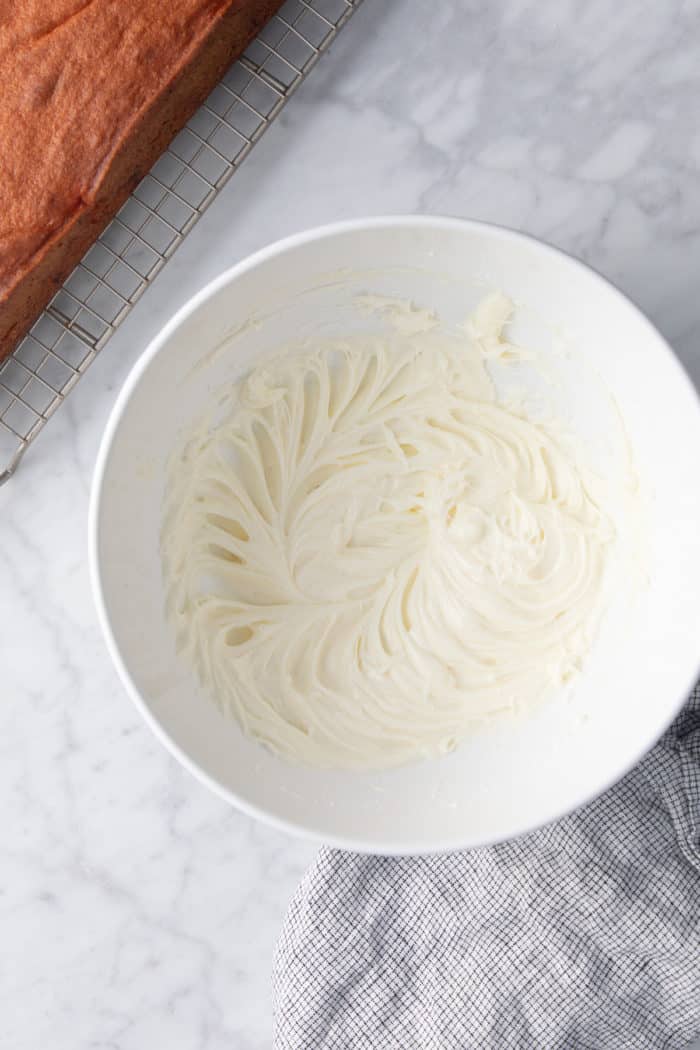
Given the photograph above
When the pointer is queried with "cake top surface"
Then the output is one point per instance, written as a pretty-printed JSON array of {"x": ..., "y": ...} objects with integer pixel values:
[{"x": 76, "y": 76}]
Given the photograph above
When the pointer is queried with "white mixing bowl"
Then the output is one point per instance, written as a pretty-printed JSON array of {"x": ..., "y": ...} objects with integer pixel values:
[{"x": 504, "y": 780}]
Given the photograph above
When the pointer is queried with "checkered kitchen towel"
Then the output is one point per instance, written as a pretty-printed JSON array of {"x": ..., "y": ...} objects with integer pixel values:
[{"x": 585, "y": 934}]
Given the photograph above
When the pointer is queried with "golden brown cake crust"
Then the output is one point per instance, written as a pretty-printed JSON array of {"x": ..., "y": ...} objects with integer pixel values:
[{"x": 92, "y": 92}]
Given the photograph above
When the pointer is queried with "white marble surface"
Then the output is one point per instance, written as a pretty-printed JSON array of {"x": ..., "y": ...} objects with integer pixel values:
[{"x": 136, "y": 910}]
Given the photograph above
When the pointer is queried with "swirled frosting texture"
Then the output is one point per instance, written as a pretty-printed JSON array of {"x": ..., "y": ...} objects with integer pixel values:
[{"x": 367, "y": 553}]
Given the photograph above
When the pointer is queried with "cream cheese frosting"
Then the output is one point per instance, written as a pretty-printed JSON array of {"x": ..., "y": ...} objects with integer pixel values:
[{"x": 367, "y": 553}]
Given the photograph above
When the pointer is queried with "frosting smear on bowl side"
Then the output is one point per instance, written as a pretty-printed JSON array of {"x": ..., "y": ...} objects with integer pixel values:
[{"x": 366, "y": 553}]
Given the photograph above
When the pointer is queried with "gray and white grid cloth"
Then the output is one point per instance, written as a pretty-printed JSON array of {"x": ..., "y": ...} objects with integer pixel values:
[{"x": 584, "y": 935}]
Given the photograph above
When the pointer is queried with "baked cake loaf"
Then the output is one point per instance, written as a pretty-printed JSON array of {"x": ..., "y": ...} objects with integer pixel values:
[{"x": 92, "y": 93}]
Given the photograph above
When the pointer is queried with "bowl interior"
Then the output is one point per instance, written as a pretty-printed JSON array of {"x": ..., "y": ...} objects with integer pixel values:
[{"x": 505, "y": 779}]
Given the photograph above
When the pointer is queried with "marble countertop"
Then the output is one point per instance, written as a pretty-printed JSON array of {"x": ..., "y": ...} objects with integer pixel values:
[{"x": 136, "y": 909}]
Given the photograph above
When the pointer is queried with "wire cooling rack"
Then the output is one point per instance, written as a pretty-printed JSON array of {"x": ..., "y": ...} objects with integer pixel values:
[{"x": 119, "y": 267}]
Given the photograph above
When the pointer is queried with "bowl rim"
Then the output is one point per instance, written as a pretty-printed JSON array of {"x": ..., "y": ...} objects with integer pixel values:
[{"x": 154, "y": 347}]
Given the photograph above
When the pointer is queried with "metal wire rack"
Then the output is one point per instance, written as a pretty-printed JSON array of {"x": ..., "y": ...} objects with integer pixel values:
[{"x": 118, "y": 268}]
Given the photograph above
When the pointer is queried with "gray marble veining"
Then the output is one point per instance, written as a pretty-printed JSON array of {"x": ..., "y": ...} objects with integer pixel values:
[{"x": 136, "y": 909}]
